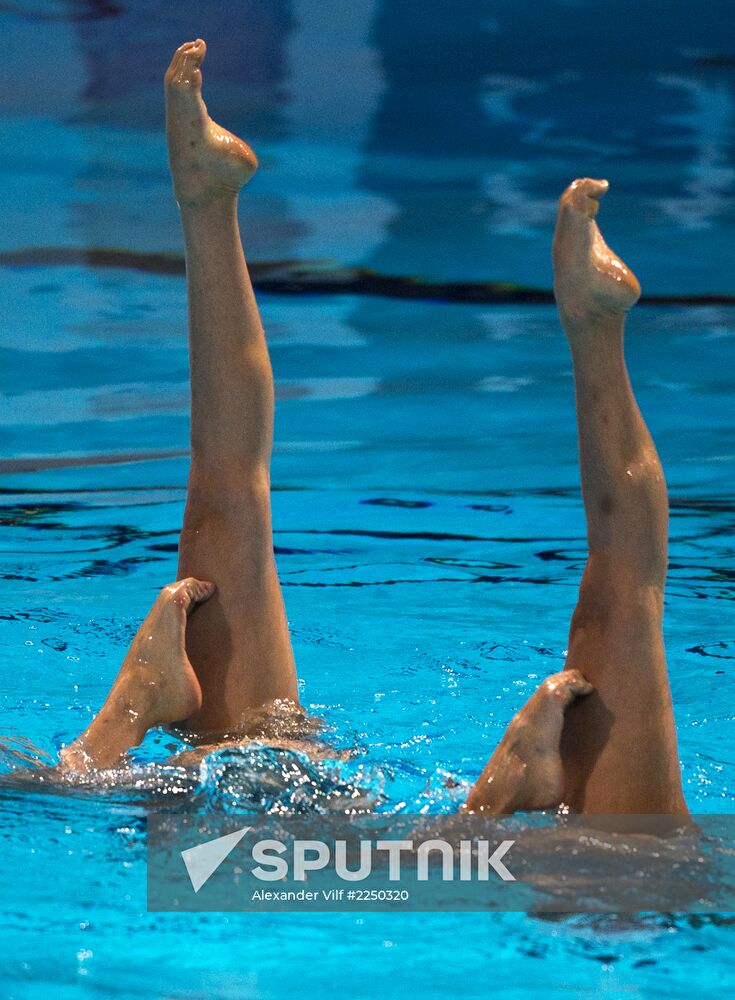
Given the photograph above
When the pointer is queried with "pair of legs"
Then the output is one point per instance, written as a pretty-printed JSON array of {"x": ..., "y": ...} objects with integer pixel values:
[{"x": 574, "y": 739}]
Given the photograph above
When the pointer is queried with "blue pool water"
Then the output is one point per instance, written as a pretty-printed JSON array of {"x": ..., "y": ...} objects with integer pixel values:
[{"x": 428, "y": 522}]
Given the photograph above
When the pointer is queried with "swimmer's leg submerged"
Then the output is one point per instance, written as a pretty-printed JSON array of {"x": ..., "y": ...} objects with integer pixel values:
[
  {"x": 619, "y": 745},
  {"x": 239, "y": 643},
  {"x": 156, "y": 684},
  {"x": 613, "y": 751}
]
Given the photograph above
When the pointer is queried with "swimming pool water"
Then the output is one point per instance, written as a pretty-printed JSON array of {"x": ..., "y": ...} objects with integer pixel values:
[{"x": 428, "y": 523}]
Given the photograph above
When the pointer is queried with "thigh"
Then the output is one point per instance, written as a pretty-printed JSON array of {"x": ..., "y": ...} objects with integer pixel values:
[
  {"x": 619, "y": 744},
  {"x": 239, "y": 646}
]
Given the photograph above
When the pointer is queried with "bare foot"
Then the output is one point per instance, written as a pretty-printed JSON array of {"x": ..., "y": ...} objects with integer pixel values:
[
  {"x": 590, "y": 281},
  {"x": 156, "y": 669},
  {"x": 206, "y": 160},
  {"x": 156, "y": 684},
  {"x": 525, "y": 772}
]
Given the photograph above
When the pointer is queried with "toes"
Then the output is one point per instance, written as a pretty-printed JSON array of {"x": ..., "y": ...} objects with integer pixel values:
[
  {"x": 567, "y": 685},
  {"x": 186, "y": 594},
  {"x": 173, "y": 72},
  {"x": 583, "y": 195},
  {"x": 199, "y": 51},
  {"x": 194, "y": 52},
  {"x": 577, "y": 683},
  {"x": 185, "y": 63}
]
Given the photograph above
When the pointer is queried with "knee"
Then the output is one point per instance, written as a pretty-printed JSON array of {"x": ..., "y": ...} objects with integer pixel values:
[
  {"x": 214, "y": 497},
  {"x": 590, "y": 618},
  {"x": 613, "y": 589},
  {"x": 229, "y": 529},
  {"x": 638, "y": 500}
]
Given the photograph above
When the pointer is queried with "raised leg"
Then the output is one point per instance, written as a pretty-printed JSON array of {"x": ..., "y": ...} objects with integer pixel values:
[
  {"x": 239, "y": 644},
  {"x": 618, "y": 745},
  {"x": 156, "y": 684}
]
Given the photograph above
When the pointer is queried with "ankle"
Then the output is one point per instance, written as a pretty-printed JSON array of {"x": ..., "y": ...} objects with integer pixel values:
[
  {"x": 130, "y": 702},
  {"x": 217, "y": 202},
  {"x": 584, "y": 320}
]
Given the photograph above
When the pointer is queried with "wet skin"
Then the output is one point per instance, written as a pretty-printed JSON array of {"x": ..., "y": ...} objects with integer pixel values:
[{"x": 232, "y": 658}]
